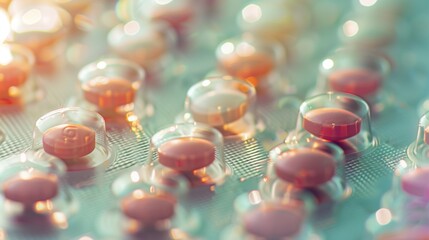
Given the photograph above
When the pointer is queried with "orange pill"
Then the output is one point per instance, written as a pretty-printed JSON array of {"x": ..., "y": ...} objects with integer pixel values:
[
  {"x": 332, "y": 124},
  {"x": 69, "y": 141},
  {"x": 252, "y": 68},
  {"x": 186, "y": 154},
  {"x": 109, "y": 92},
  {"x": 360, "y": 82},
  {"x": 273, "y": 222},
  {"x": 13, "y": 74},
  {"x": 148, "y": 209},
  {"x": 218, "y": 108},
  {"x": 305, "y": 167},
  {"x": 28, "y": 189}
]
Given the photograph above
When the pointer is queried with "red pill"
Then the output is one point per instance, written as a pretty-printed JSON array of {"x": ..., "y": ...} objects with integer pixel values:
[
  {"x": 218, "y": 108},
  {"x": 332, "y": 124},
  {"x": 273, "y": 222},
  {"x": 69, "y": 141},
  {"x": 426, "y": 136},
  {"x": 149, "y": 209},
  {"x": 13, "y": 74},
  {"x": 28, "y": 189},
  {"x": 416, "y": 233},
  {"x": 416, "y": 182},
  {"x": 186, "y": 154},
  {"x": 360, "y": 82},
  {"x": 252, "y": 68},
  {"x": 109, "y": 92},
  {"x": 305, "y": 167}
]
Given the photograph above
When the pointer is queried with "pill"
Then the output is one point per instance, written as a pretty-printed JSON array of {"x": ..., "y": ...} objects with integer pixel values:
[
  {"x": 109, "y": 92},
  {"x": 331, "y": 123},
  {"x": 360, "y": 82},
  {"x": 416, "y": 233},
  {"x": 415, "y": 182},
  {"x": 220, "y": 107},
  {"x": 13, "y": 74},
  {"x": 273, "y": 222},
  {"x": 186, "y": 154},
  {"x": 69, "y": 141},
  {"x": 305, "y": 167},
  {"x": 28, "y": 189},
  {"x": 148, "y": 209},
  {"x": 250, "y": 67}
]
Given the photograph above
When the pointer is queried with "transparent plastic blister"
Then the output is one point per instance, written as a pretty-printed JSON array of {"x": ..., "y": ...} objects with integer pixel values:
[
  {"x": 19, "y": 83},
  {"x": 339, "y": 118},
  {"x": 358, "y": 72},
  {"x": 418, "y": 150},
  {"x": 150, "y": 44},
  {"x": 315, "y": 168},
  {"x": 259, "y": 218},
  {"x": 114, "y": 88},
  {"x": 35, "y": 196},
  {"x": 42, "y": 27},
  {"x": 148, "y": 206},
  {"x": 224, "y": 103},
  {"x": 78, "y": 137},
  {"x": 191, "y": 150}
]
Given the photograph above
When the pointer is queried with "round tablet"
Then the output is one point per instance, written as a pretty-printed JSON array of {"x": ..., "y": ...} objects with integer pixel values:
[
  {"x": 220, "y": 107},
  {"x": 186, "y": 154},
  {"x": 29, "y": 189},
  {"x": 360, "y": 82},
  {"x": 417, "y": 233},
  {"x": 416, "y": 182},
  {"x": 332, "y": 124},
  {"x": 13, "y": 74},
  {"x": 305, "y": 167},
  {"x": 250, "y": 67},
  {"x": 109, "y": 92},
  {"x": 69, "y": 141},
  {"x": 148, "y": 209},
  {"x": 273, "y": 222}
]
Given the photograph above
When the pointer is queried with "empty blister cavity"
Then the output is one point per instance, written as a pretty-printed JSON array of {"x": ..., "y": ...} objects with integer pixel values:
[
  {"x": 112, "y": 87},
  {"x": 224, "y": 103},
  {"x": 357, "y": 72},
  {"x": 41, "y": 27},
  {"x": 339, "y": 118},
  {"x": 257, "y": 218},
  {"x": 77, "y": 137},
  {"x": 147, "y": 43},
  {"x": 192, "y": 150},
  {"x": 418, "y": 151},
  {"x": 309, "y": 168},
  {"x": 147, "y": 206},
  {"x": 17, "y": 81},
  {"x": 34, "y": 193},
  {"x": 249, "y": 58}
]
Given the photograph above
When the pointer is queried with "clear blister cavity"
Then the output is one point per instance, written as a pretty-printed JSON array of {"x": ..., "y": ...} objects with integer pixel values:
[
  {"x": 78, "y": 137},
  {"x": 339, "y": 118}
]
